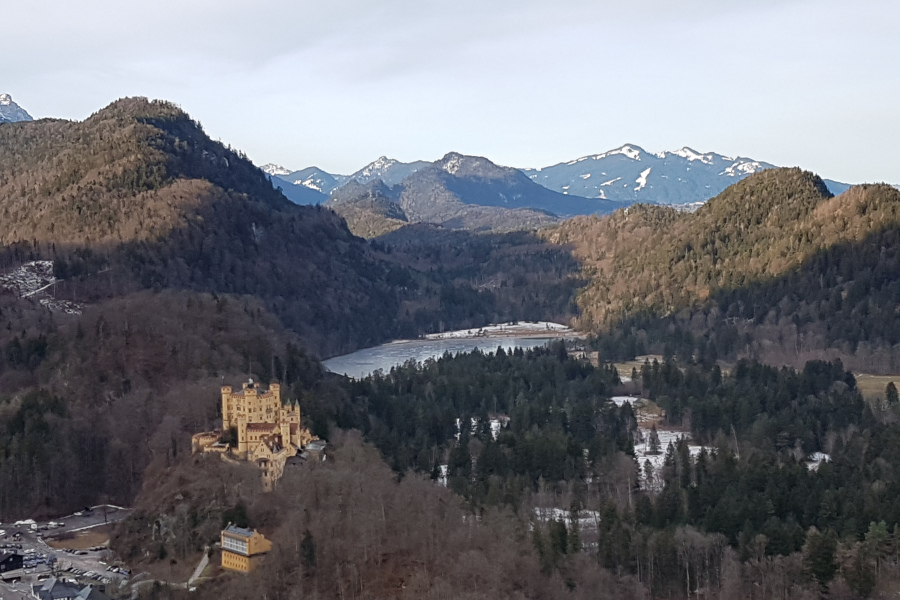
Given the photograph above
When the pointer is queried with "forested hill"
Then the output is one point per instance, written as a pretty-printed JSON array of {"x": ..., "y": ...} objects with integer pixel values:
[
  {"x": 121, "y": 175},
  {"x": 180, "y": 265},
  {"x": 774, "y": 257}
]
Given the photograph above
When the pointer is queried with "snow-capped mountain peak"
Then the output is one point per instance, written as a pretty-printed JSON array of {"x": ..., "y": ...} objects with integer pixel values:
[
  {"x": 692, "y": 155},
  {"x": 742, "y": 167},
  {"x": 10, "y": 112},
  {"x": 628, "y": 150},
  {"x": 452, "y": 162},
  {"x": 668, "y": 177},
  {"x": 391, "y": 171},
  {"x": 277, "y": 170},
  {"x": 377, "y": 166}
]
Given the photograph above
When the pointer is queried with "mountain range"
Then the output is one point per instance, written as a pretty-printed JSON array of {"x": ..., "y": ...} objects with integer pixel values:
[
  {"x": 625, "y": 175},
  {"x": 10, "y": 112},
  {"x": 631, "y": 174},
  {"x": 460, "y": 192}
]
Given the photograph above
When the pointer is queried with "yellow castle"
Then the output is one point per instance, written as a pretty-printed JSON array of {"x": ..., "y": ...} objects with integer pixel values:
[{"x": 265, "y": 431}]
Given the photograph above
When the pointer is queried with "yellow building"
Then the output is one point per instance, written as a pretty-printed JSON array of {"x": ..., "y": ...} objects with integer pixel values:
[
  {"x": 267, "y": 431},
  {"x": 241, "y": 548}
]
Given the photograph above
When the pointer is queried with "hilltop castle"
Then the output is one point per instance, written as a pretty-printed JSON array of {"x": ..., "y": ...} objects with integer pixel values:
[{"x": 257, "y": 427}]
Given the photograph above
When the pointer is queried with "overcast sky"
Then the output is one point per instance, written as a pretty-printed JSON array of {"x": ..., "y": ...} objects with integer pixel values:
[{"x": 337, "y": 83}]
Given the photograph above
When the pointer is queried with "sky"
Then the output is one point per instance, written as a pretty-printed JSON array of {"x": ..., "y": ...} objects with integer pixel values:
[{"x": 526, "y": 83}]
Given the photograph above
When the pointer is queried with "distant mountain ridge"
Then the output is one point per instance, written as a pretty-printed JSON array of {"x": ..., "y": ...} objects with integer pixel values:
[
  {"x": 457, "y": 192},
  {"x": 627, "y": 174},
  {"x": 10, "y": 112},
  {"x": 631, "y": 174},
  {"x": 388, "y": 170}
]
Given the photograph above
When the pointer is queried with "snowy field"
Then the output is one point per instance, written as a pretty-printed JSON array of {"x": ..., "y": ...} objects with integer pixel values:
[
  {"x": 520, "y": 328},
  {"x": 816, "y": 459},
  {"x": 587, "y": 519},
  {"x": 642, "y": 447}
]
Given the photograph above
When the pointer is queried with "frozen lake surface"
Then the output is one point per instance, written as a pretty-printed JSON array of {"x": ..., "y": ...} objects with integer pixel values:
[{"x": 525, "y": 335}]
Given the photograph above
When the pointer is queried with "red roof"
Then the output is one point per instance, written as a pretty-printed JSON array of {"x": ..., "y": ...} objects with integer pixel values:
[{"x": 261, "y": 426}]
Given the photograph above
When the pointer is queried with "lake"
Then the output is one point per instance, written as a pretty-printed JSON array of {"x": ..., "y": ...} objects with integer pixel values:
[{"x": 507, "y": 336}]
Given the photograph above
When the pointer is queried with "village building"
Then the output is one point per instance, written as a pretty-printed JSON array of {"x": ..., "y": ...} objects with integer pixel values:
[
  {"x": 56, "y": 589},
  {"x": 242, "y": 548},
  {"x": 10, "y": 561},
  {"x": 258, "y": 427}
]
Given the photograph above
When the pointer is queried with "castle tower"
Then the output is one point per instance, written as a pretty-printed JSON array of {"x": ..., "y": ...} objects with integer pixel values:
[{"x": 227, "y": 416}]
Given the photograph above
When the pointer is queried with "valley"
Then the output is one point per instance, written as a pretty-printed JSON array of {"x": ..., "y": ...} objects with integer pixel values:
[{"x": 583, "y": 392}]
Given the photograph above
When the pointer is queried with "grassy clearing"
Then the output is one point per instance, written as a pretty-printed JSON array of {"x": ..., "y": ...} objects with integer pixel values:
[
  {"x": 82, "y": 540},
  {"x": 872, "y": 386},
  {"x": 625, "y": 368}
]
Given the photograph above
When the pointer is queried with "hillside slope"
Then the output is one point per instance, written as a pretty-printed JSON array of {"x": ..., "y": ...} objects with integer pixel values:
[
  {"x": 770, "y": 249},
  {"x": 139, "y": 193},
  {"x": 370, "y": 209}
]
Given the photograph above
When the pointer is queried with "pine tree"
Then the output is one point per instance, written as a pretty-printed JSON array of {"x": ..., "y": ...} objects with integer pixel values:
[
  {"x": 308, "y": 552},
  {"x": 653, "y": 445},
  {"x": 890, "y": 393}
]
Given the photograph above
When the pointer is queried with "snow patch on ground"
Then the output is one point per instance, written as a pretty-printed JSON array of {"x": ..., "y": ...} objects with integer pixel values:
[
  {"x": 496, "y": 424},
  {"x": 311, "y": 183},
  {"x": 689, "y": 207},
  {"x": 641, "y": 454},
  {"x": 642, "y": 180},
  {"x": 611, "y": 181},
  {"x": 521, "y": 328},
  {"x": 627, "y": 150},
  {"x": 816, "y": 459},
  {"x": 453, "y": 165},
  {"x": 587, "y": 519},
  {"x": 642, "y": 444},
  {"x": 693, "y": 155},
  {"x": 273, "y": 169},
  {"x": 742, "y": 167},
  {"x": 623, "y": 400},
  {"x": 33, "y": 280}
]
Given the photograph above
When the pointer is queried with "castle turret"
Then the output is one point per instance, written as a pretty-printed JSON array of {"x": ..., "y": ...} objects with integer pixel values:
[{"x": 227, "y": 409}]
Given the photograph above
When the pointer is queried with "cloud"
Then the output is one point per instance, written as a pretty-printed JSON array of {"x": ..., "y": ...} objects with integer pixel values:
[{"x": 529, "y": 82}]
